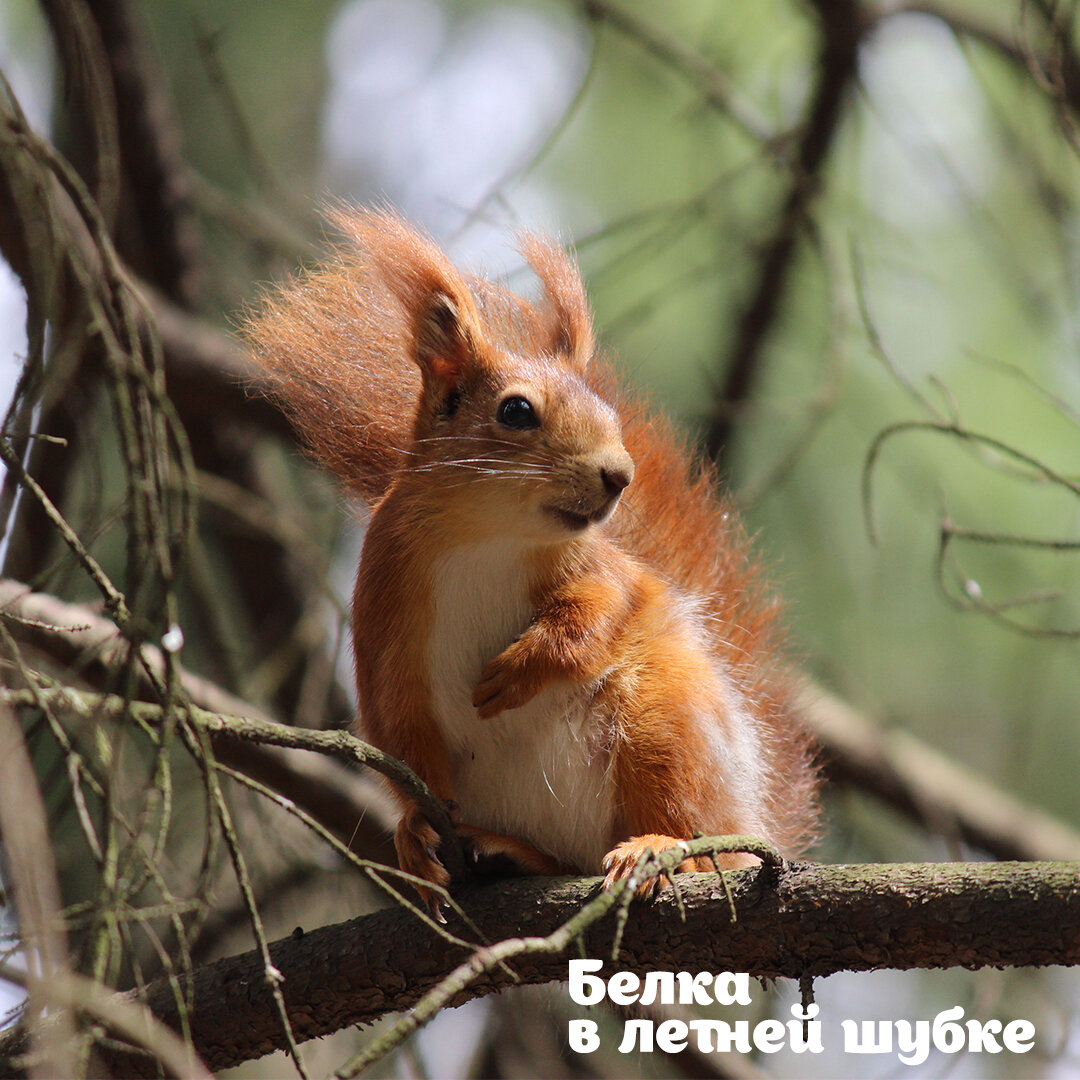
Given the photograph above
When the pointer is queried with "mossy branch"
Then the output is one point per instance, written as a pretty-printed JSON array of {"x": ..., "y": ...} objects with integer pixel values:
[{"x": 792, "y": 921}]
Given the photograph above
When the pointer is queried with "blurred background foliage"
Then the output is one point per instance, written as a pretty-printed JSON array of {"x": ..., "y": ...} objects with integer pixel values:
[
  {"x": 949, "y": 203},
  {"x": 931, "y": 280}
]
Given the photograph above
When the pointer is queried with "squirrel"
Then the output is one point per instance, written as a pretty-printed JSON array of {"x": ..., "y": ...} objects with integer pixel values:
[{"x": 556, "y": 621}]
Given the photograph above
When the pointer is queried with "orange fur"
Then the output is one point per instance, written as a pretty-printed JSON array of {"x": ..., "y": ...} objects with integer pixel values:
[{"x": 652, "y": 621}]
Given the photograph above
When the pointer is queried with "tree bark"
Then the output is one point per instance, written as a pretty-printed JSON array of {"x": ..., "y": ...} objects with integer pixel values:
[{"x": 804, "y": 920}]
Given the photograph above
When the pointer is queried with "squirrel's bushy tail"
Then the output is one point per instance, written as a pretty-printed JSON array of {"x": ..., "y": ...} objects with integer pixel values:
[
  {"x": 677, "y": 521},
  {"x": 333, "y": 347}
]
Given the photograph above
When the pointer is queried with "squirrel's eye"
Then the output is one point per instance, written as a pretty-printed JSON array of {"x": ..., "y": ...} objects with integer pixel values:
[{"x": 517, "y": 413}]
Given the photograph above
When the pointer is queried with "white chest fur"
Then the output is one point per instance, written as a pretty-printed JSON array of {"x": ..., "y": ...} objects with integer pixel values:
[{"x": 539, "y": 772}]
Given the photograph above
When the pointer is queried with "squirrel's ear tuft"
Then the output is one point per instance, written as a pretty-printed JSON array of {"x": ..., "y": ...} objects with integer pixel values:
[
  {"x": 568, "y": 321},
  {"x": 443, "y": 345},
  {"x": 433, "y": 296}
]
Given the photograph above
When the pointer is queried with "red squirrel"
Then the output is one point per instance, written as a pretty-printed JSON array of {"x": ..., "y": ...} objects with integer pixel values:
[{"x": 556, "y": 621}]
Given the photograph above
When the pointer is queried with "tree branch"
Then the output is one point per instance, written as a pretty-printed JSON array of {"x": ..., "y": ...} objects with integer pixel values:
[
  {"x": 843, "y": 24},
  {"x": 166, "y": 245},
  {"x": 254, "y": 730},
  {"x": 924, "y": 784},
  {"x": 347, "y": 804},
  {"x": 699, "y": 72},
  {"x": 802, "y": 920},
  {"x": 964, "y": 24},
  {"x": 202, "y": 361}
]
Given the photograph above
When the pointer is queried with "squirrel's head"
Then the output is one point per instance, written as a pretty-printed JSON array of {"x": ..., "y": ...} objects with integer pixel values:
[
  {"x": 506, "y": 425},
  {"x": 520, "y": 440}
]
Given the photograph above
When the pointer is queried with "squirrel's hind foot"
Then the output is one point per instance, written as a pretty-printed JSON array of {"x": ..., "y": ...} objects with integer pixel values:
[
  {"x": 503, "y": 856},
  {"x": 417, "y": 845},
  {"x": 622, "y": 859}
]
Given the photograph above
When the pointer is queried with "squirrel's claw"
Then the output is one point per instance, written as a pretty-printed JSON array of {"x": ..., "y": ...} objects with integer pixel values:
[
  {"x": 483, "y": 846},
  {"x": 417, "y": 845},
  {"x": 621, "y": 860}
]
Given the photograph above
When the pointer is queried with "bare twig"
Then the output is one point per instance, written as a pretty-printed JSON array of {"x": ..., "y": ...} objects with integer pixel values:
[
  {"x": 339, "y": 744},
  {"x": 843, "y": 25},
  {"x": 965, "y": 24},
  {"x": 74, "y": 635},
  {"x": 130, "y": 1019},
  {"x": 31, "y": 875},
  {"x": 158, "y": 185},
  {"x": 714, "y": 86}
]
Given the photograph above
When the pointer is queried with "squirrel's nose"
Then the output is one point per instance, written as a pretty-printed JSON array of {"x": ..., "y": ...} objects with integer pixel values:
[{"x": 615, "y": 479}]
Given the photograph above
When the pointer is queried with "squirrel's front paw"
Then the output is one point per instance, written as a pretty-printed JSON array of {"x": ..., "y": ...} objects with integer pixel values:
[
  {"x": 503, "y": 685},
  {"x": 417, "y": 846}
]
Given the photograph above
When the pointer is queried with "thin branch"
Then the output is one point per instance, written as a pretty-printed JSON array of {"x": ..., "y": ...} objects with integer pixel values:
[
  {"x": 923, "y": 783},
  {"x": 250, "y": 729},
  {"x": 256, "y": 162},
  {"x": 961, "y": 21},
  {"x": 843, "y": 26},
  {"x": 30, "y": 871},
  {"x": 713, "y": 85},
  {"x": 114, "y": 599},
  {"x": 151, "y": 156},
  {"x": 129, "y": 1018},
  {"x": 203, "y": 363},
  {"x": 1032, "y": 466},
  {"x": 271, "y": 976},
  {"x": 349, "y": 805},
  {"x": 92, "y": 97},
  {"x": 966, "y": 594},
  {"x": 965, "y": 24}
]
